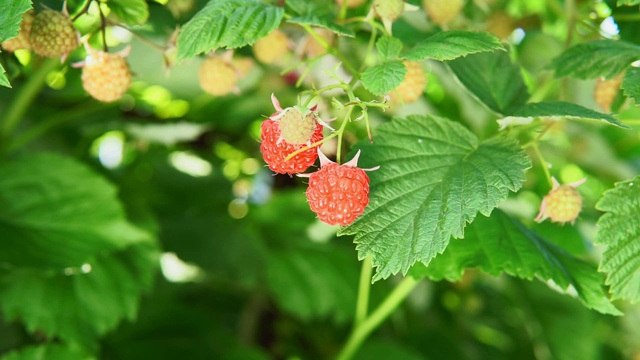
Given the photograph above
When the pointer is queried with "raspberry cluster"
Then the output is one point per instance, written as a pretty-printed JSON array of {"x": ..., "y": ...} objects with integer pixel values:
[{"x": 338, "y": 194}]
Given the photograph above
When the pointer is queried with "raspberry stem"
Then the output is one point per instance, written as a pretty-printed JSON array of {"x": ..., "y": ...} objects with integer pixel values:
[
  {"x": 543, "y": 163},
  {"x": 362, "y": 304}
]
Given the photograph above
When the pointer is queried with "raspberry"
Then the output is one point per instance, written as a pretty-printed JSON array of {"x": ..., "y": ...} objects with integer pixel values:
[
  {"x": 413, "y": 85},
  {"x": 22, "y": 40},
  {"x": 338, "y": 194},
  {"x": 106, "y": 77},
  {"x": 442, "y": 12},
  {"x": 390, "y": 10},
  {"x": 313, "y": 48},
  {"x": 274, "y": 150},
  {"x": 303, "y": 129},
  {"x": 606, "y": 91},
  {"x": 351, "y": 3},
  {"x": 562, "y": 204},
  {"x": 500, "y": 24},
  {"x": 217, "y": 76},
  {"x": 53, "y": 34},
  {"x": 272, "y": 47}
]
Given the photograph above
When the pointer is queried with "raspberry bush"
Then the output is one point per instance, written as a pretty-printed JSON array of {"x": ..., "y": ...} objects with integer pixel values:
[{"x": 242, "y": 179}]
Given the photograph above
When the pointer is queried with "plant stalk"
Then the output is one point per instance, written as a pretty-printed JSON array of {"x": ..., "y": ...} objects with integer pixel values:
[
  {"x": 24, "y": 98},
  {"x": 361, "y": 331},
  {"x": 362, "y": 306}
]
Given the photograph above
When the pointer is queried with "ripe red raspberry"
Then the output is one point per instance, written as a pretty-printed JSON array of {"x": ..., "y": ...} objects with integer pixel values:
[
  {"x": 52, "y": 34},
  {"x": 217, "y": 76},
  {"x": 272, "y": 47},
  {"x": 106, "y": 77},
  {"x": 605, "y": 92},
  {"x": 300, "y": 131},
  {"x": 22, "y": 40},
  {"x": 338, "y": 194},
  {"x": 413, "y": 85},
  {"x": 562, "y": 204},
  {"x": 441, "y": 12}
]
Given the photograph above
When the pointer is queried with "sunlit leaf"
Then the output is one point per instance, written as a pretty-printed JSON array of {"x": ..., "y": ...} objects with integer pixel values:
[
  {"x": 381, "y": 79},
  {"x": 620, "y": 233},
  {"x": 631, "y": 84},
  {"x": 449, "y": 45},
  {"x": 388, "y": 48},
  {"x": 227, "y": 24},
  {"x": 132, "y": 12},
  {"x": 434, "y": 177},
  {"x": 593, "y": 59}
]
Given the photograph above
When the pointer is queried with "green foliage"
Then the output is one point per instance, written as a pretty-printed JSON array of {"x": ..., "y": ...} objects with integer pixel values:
[
  {"x": 493, "y": 79},
  {"x": 620, "y": 233},
  {"x": 434, "y": 177},
  {"x": 561, "y": 109},
  {"x": 388, "y": 48},
  {"x": 628, "y": 2},
  {"x": 55, "y": 212},
  {"x": 382, "y": 79},
  {"x": 631, "y": 83},
  {"x": 43, "y": 352},
  {"x": 10, "y": 16},
  {"x": 501, "y": 244},
  {"x": 450, "y": 45},
  {"x": 227, "y": 24},
  {"x": 82, "y": 303},
  {"x": 132, "y": 12},
  {"x": 592, "y": 59}
]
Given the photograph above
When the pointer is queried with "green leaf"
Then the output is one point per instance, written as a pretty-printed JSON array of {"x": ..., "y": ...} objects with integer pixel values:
[
  {"x": 227, "y": 24},
  {"x": 493, "y": 79},
  {"x": 434, "y": 178},
  {"x": 47, "y": 351},
  {"x": 388, "y": 48},
  {"x": 500, "y": 244},
  {"x": 3, "y": 78},
  {"x": 631, "y": 84},
  {"x": 593, "y": 59},
  {"x": 10, "y": 16},
  {"x": 375, "y": 349},
  {"x": 557, "y": 110},
  {"x": 323, "y": 21},
  {"x": 132, "y": 12},
  {"x": 80, "y": 304},
  {"x": 382, "y": 79},
  {"x": 628, "y": 2},
  {"x": 620, "y": 233},
  {"x": 56, "y": 212},
  {"x": 449, "y": 45},
  {"x": 314, "y": 284}
]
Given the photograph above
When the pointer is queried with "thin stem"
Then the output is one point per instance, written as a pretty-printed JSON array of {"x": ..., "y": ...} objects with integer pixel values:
[
  {"x": 103, "y": 24},
  {"x": 340, "y": 131},
  {"x": 305, "y": 148},
  {"x": 330, "y": 49},
  {"x": 85, "y": 9},
  {"x": 570, "y": 7},
  {"x": 362, "y": 305},
  {"x": 362, "y": 331},
  {"x": 343, "y": 9},
  {"x": 25, "y": 97},
  {"x": 543, "y": 163},
  {"x": 372, "y": 42}
]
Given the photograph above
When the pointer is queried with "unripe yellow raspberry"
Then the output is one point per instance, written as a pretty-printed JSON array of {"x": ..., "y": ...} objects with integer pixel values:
[
  {"x": 272, "y": 47},
  {"x": 441, "y": 12},
  {"x": 217, "y": 76},
  {"x": 52, "y": 34},
  {"x": 313, "y": 48},
  {"x": 562, "y": 204},
  {"x": 106, "y": 77},
  {"x": 500, "y": 24},
  {"x": 606, "y": 91},
  {"x": 22, "y": 40},
  {"x": 413, "y": 85}
]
